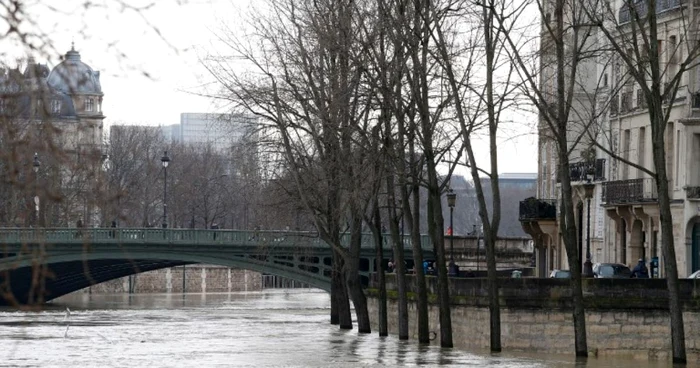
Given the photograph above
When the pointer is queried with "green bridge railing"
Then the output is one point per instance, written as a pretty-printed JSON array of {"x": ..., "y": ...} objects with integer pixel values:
[{"x": 182, "y": 236}]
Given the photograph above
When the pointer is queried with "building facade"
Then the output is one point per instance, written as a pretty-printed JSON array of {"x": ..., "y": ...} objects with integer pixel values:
[
  {"x": 220, "y": 131},
  {"x": 56, "y": 116},
  {"x": 614, "y": 191}
]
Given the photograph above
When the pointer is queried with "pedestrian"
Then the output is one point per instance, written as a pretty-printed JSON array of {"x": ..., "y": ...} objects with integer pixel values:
[
  {"x": 640, "y": 271},
  {"x": 79, "y": 226},
  {"x": 390, "y": 266},
  {"x": 214, "y": 226},
  {"x": 112, "y": 232}
]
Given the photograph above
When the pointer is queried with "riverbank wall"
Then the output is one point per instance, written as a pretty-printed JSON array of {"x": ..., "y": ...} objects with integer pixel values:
[
  {"x": 197, "y": 279},
  {"x": 623, "y": 317}
]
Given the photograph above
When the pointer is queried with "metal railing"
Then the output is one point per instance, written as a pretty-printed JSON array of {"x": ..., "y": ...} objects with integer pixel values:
[
  {"x": 579, "y": 170},
  {"x": 629, "y": 191},
  {"x": 183, "y": 236},
  {"x": 642, "y": 7},
  {"x": 538, "y": 209},
  {"x": 692, "y": 192}
]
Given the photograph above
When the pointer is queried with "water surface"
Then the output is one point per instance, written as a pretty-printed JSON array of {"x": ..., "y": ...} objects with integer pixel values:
[{"x": 272, "y": 328}]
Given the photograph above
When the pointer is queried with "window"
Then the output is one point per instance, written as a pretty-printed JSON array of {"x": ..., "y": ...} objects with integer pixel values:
[
  {"x": 55, "y": 106},
  {"x": 605, "y": 80},
  {"x": 89, "y": 104},
  {"x": 671, "y": 49}
]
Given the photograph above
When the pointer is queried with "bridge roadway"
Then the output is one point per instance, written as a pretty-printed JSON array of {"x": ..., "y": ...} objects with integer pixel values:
[{"x": 37, "y": 265}]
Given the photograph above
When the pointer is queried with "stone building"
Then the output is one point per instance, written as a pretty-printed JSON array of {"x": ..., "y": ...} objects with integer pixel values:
[
  {"x": 624, "y": 213},
  {"x": 56, "y": 116}
]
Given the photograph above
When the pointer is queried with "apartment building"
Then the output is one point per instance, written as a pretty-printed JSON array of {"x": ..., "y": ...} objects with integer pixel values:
[{"x": 616, "y": 202}]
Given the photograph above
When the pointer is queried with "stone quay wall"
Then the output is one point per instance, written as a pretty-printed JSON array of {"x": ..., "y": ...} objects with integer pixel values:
[
  {"x": 626, "y": 318},
  {"x": 198, "y": 279}
]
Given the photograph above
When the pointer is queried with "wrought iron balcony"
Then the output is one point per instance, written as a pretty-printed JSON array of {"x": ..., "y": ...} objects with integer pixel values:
[
  {"x": 538, "y": 209},
  {"x": 641, "y": 7},
  {"x": 578, "y": 170},
  {"x": 692, "y": 192},
  {"x": 629, "y": 191}
]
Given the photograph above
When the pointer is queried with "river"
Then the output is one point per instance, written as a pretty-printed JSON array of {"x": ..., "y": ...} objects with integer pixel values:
[{"x": 272, "y": 328}]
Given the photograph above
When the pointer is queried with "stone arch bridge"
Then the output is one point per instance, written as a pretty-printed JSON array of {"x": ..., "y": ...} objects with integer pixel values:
[{"x": 37, "y": 265}]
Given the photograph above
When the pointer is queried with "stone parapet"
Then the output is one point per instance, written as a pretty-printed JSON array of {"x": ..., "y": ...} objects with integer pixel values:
[
  {"x": 626, "y": 318},
  {"x": 198, "y": 279}
]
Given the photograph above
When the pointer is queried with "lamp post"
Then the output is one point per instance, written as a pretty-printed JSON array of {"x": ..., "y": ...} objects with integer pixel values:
[
  {"x": 587, "y": 265},
  {"x": 165, "y": 160},
  {"x": 451, "y": 198},
  {"x": 35, "y": 166}
]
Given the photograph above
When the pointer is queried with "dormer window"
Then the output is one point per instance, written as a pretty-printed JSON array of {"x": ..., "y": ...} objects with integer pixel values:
[
  {"x": 89, "y": 104},
  {"x": 55, "y": 106}
]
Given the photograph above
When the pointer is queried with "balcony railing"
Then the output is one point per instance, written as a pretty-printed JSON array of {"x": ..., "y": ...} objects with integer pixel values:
[
  {"x": 629, "y": 191},
  {"x": 692, "y": 192},
  {"x": 579, "y": 170},
  {"x": 538, "y": 209},
  {"x": 642, "y": 7}
]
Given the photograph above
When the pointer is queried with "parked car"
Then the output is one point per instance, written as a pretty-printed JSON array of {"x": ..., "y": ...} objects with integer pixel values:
[
  {"x": 695, "y": 275},
  {"x": 560, "y": 274},
  {"x": 611, "y": 271}
]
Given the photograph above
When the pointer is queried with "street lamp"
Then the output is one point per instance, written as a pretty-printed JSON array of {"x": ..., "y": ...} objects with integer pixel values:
[
  {"x": 165, "y": 160},
  {"x": 35, "y": 165},
  {"x": 451, "y": 199},
  {"x": 588, "y": 191}
]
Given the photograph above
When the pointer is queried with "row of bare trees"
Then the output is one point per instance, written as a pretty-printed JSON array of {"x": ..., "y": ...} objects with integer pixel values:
[{"x": 367, "y": 102}]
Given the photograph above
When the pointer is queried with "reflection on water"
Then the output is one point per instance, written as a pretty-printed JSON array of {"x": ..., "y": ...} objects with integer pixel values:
[{"x": 263, "y": 329}]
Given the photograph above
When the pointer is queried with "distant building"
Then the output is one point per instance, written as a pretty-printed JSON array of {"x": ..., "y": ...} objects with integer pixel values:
[
  {"x": 57, "y": 115},
  {"x": 220, "y": 131},
  {"x": 513, "y": 187},
  {"x": 518, "y": 180}
]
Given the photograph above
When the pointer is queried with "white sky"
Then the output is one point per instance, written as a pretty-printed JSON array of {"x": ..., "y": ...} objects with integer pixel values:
[{"x": 123, "y": 47}]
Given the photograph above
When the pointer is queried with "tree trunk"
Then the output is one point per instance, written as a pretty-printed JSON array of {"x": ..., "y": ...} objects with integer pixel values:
[
  {"x": 566, "y": 225},
  {"x": 339, "y": 294},
  {"x": 436, "y": 230},
  {"x": 667, "y": 241},
  {"x": 572, "y": 255},
  {"x": 421, "y": 289},
  {"x": 381, "y": 279},
  {"x": 352, "y": 277}
]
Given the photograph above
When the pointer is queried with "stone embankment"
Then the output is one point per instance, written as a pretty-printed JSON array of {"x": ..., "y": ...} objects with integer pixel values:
[
  {"x": 197, "y": 279},
  {"x": 624, "y": 317}
]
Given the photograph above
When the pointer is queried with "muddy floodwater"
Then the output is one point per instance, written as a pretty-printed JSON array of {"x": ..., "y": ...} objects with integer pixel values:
[{"x": 273, "y": 328}]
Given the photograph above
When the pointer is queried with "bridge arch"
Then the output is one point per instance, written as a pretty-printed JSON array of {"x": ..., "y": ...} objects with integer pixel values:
[{"x": 71, "y": 259}]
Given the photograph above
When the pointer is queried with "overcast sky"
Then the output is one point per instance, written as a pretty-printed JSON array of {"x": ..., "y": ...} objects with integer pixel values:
[{"x": 149, "y": 61}]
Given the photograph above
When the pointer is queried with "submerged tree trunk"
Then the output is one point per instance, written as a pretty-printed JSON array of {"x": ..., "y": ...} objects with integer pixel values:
[
  {"x": 352, "y": 277},
  {"x": 416, "y": 246},
  {"x": 339, "y": 293},
  {"x": 381, "y": 278}
]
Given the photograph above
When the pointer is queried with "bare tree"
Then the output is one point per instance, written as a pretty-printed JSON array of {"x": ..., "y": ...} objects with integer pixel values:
[
  {"x": 491, "y": 97},
  {"x": 308, "y": 89},
  {"x": 558, "y": 82},
  {"x": 661, "y": 74}
]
